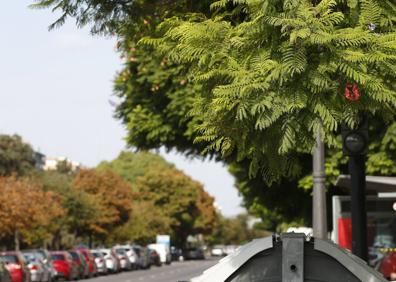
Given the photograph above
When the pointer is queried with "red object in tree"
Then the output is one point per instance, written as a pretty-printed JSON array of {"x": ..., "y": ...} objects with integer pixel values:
[{"x": 352, "y": 92}]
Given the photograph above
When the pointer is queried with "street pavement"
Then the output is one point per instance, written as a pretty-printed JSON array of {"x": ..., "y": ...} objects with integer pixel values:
[{"x": 177, "y": 271}]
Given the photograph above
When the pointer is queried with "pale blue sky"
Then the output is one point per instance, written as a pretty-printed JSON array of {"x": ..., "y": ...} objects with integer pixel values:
[{"x": 54, "y": 90}]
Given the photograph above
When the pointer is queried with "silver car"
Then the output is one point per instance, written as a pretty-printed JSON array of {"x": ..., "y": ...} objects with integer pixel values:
[
  {"x": 100, "y": 261},
  {"x": 122, "y": 256},
  {"x": 38, "y": 271},
  {"x": 44, "y": 256},
  {"x": 132, "y": 256}
]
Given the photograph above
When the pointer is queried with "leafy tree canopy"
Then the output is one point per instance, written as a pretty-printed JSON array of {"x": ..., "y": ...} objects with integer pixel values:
[
  {"x": 16, "y": 156},
  {"x": 83, "y": 211},
  {"x": 276, "y": 79},
  {"x": 183, "y": 200},
  {"x": 109, "y": 16},
  {"x": 18, "y": 216},
  {"x": 131, "y": 165},
  {"x": 145, "y": 222},
  {"x": 236, "y": 231},
  {"x": 112, "y": 192}
]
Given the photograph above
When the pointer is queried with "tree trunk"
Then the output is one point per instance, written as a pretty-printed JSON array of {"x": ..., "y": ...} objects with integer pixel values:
[
  {"x": 56, "y": 241},
  {"x": 90, "y": 240},
  {"x": 16, "y": 240}
]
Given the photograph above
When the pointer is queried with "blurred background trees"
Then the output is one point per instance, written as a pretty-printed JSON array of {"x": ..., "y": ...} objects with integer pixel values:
[
  {"x": 16, "y": 156},
  {"x": 132, "y": 198}
]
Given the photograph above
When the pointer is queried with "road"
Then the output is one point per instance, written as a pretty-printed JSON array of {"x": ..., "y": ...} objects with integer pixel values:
[{"x": 177, "y": 271}]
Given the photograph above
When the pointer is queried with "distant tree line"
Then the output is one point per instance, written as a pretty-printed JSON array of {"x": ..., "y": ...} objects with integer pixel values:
[{"x": 129, "y": 199}]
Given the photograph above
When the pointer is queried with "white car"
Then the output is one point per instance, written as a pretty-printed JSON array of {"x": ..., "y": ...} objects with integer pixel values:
[
  {"x": 112, "y": 262},
  {"x": 218, "y": 251}
]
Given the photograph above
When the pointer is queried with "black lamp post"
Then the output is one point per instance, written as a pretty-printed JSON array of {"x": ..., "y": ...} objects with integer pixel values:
[{"x": 355, "y": 145}]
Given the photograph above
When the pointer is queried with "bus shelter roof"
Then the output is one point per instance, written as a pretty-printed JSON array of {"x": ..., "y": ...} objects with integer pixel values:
[{"x": 374, "y": 184}]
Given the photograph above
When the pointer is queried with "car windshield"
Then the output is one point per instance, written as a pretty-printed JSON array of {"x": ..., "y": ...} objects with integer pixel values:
[
  {"x": 57, "y": 257},
  {"x": 29, "y": 257},
  {"x": 74, "y": 255},
  {"x": 120, "y": 251},
  {"x": 10, "y": 258},
  {"x": 40, "y": 255},
  {"x": 137, "y": 251}
]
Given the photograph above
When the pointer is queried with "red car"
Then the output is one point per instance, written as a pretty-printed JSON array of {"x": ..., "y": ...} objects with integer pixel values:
[
  {"x": 388, "y": 266},
  {"x": 89, "y": 258},
  {"x": 16, "y": 265},
  {"x": 64, "y": 266}
]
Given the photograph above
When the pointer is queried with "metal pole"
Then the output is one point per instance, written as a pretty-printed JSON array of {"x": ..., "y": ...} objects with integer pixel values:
[
  {"x": 319, "y": 214},
  {"x": 358, "y": 206}
]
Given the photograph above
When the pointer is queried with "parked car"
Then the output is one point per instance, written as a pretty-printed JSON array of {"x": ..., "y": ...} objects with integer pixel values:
[
  {"x": 218, "y": 251},
  {"x": 122, "y": 256},
  {"x": 112, "y": 262},
  {"x": 16, "y": 265},
  {"x": 99, "y": 261},
  {"x": 154, "y": 257},
  {"x": 387, "y": 266},
  {"x": 64, "y": 266},
  {"x": 230, "y": 249},
  {"x": 163, "y": 252},
  {"x": 89, "y": 259},
  {"x": 176, "y": 254},
  {"x": 5, "y": 275},
  {"x": 193, "y": 253},
  {"x": 132, "y": 256},
  {"x": 38, "y": 271},
  {"x": 45, "y": 257},
  {"x": 82, "y": 265},
  {"x": 144, "y": 256}
]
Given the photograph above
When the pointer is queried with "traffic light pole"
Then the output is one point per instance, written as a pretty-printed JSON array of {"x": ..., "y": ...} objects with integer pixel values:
[
  {"x": 358, "y": 206},
  {"x": 319, "y": 215}
]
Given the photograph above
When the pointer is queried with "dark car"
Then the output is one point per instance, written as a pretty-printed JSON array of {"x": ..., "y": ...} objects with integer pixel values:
[
  {"x": 81, "y": 263},
  {"x": 64, "y": 266},
  {"x": 154, "y": 258},
  {"x": 5, "y": 275},
  {"x": 16, "y": 266},
  {"x": 193, "y": 253},
  {"x": 176, "y": 254},
  {"x": 145, "y": 258}
]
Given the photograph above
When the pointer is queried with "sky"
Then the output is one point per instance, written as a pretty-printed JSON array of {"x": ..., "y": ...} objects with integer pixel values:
[{"x": 55, "y": 89}]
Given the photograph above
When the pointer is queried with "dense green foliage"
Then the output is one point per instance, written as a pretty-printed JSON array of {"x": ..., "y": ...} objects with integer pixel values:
[
  {"x": 170, "y": 201},
  {"x": 237, "y": 230},
  {"x": 274, "y": 80},
  {"x": 132, "y": 165},
  {"x": 177, "y": 197},
  {"x": 16, "y": 156}
]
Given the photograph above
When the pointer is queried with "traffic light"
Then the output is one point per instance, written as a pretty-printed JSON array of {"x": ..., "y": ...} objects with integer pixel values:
[{"x": 355, "y": 141}]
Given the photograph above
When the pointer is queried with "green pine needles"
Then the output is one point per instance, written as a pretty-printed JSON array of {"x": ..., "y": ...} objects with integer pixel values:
[{"x": 273, "y": 73}]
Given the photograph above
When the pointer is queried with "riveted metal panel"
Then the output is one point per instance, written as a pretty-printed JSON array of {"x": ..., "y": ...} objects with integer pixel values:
[{"x": 293, "y": 257}]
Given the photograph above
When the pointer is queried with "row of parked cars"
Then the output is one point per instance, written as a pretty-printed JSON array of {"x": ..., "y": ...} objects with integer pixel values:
[{"x": 40, "y": 265}]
